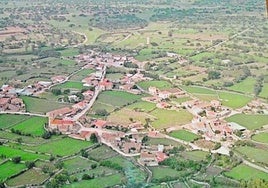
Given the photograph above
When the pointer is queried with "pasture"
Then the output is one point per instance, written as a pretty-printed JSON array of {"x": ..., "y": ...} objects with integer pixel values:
[
  {"x": 261, "y": 137},
  {"x": 195, "y": 155},
  {"x": 254, "y": 154},
  {"x": 9, "y": 169},
  {"x": 245, "y": 86},
  {"x": 9, "y": 120},
  {"x": 184, "y": 135},
  {"x": 71, "y": 85},
  {"x": 251, "y": 122},
  {"x": 142, "y": 106},
  {"x": 244, "y": 172},
  {"x": 160, "y": 173},
  {"x": 233, "y": 100},
  {"x": 77, "y": 163},
  {"x": 155, "y": 83},
  {"x": 78, "y": 77}
]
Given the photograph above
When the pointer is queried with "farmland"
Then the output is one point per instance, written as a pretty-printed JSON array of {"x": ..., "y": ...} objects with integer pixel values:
[
  {"x": 159, "y": 84},
  {"x": 184, "y": 135},
  {"x": 12, "y": 169},
  {"x": 249, "y": 121},
  {"x": 8, "y": 120},
  {"x": 254, "y": 154},
  {"x": 261, "y": 137}
]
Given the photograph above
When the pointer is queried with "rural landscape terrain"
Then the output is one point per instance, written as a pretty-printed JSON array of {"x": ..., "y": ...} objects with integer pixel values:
[{"x": 133, "y": 93}]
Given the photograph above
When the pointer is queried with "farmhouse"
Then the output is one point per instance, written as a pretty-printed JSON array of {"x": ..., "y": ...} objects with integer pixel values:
[
  {"x": 106, "y": 85},
  {"x": 100, "y": 124},
  {"x": 61, "y": 125}
]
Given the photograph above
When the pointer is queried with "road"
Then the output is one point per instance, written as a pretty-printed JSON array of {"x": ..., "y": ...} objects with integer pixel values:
[{"x": 23, "y": 113}]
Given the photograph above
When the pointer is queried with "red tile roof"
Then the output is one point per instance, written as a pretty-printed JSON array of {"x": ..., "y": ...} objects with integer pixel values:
[{"x": 100, "y": 123}]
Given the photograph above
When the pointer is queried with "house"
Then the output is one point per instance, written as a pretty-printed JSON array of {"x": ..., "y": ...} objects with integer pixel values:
[
  {"x": 100, "y": 123},
  {"x": 59, "y": 112},
  {"x": 58, "y": 79},
  {"x": 148, "y": 159},
  {"x": 86, "y": 134},
  {"x": 88, "y": 94},
  {"x": 81, "y": 105},
  {"x": 4, "y": 103},
  {"x": 62, "y": 125},
  {"x": 153, "y": 90},
  {"x": 161, "y": 156},
  {"x": 106, "y": 85},
  {"x": 163, "y": 105}
]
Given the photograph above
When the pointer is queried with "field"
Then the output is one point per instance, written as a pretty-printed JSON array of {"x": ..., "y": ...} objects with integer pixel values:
[
  {"x": 251, "y": 122},
  {"x": 81, "y": 75},
  {"x": 158, "y": 84},
  {"x": 77, "y": 163},
  {"x": 246, "y": 86},
  {"x": 261, "y": 137},
  {"x": 233, "y": 100},
  {"x": 243, "y": 172},
  {"x": 69, "y": 52},
  {"x": 71, "y": 85},
  {"x": 160, "y": 173},
  {"x": 264, "y": 91},
  {"x": 254, "y": 154},
  {"x": 184, "y": 135},
  {"x": 25, "y": 156},
  {"x": 8, "y": 120},
  {"x": 9, "y": 168},
  {"x": 31, "y": 176},
  {"x": 102, "y": 153},
  {"x": 168, "y": 118},
  {"x": 142, "y": 106},
  {"x": 195, "y": 155},
  {"x": 33, "y": 126},
  {"x": 37, "y": 105},
  {"x": 163, "y": 141},
  {"x": 198, "y": 90}
]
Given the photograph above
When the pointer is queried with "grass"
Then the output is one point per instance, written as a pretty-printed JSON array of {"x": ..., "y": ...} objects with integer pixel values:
[
  {"x": 108, "y": 181},
  {"x": 205, "y": 97},
  {"x": 81, "y": 75},
  {"x": 155, "y": 83},
  {"x": 77, "y": 163},
  {"x": 195, "y": 155},
  {"x": 142, "y": 106},
  {"x": 33, "y": 126},
  {"x": 251, "y": 122},
  {"x": 159, "y": 173},
  {"x": 9, "y": 168},
  {"x": 184, "y": 135},
  {"x": 246, "y": 86},
  {"x": 8, "y": 120},
  {"x": 261, "y": 137},
  {"x": 168, "y": 118},
  {"x": 71, "y": 85},
  {"x": 117, "y": 98},
  {"x": 233, "y": 100},
  {"x": 264, "y": 91},
  {"x": 37, "y": 105},
  {"x": 198, "y": 90},
  {"x": 181, "y": 99},
  {"x": 62, "y": 147},
  {"x": 25, "y": 156},
  {"x": 70, "y": 52},
  {"x": 244, "y": 172},
  {"x": 255, "y": 154},
  {"x": 32, "y": 176},
  {"x": 101, "y": 153},
  {"x": 162, "y": 141}
]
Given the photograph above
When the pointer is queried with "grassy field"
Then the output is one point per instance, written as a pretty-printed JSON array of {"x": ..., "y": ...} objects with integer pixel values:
[
  {"x": 163, "y": 141},
  {"x": 37, "y": 105},
  {"x": 264, "y": 91},
  {"x": 70, "y": 52},
  {"x": 258, "y": 155},
  {"x": 81, "y": 75},
  {"x": 101, "y": 153},
  {"x": 251, "y": 122},
  {"x": 233, "y": 100},
  {"x": 9, "y": 120},
  {"x": 159, "y": 84},
  {"x": 77, "y": 163},
  {"x": 62, "y": 147},
  {"x": 33, "y": 126},
  {"x": 31, "y": 176},
  {"x": 243, "y": 172},
  {"x": 181, "y": 99},
  {"x": 184, "y": 135},
  {"x": 117, "y": 98},
  {"x": 108, "y": 181},
  {"x": 71, "y": 85},
  {"x": 195, "y": 155},
  {"x": 9, "y": 168},
  {"x": 246, "y": 86},
  {"x": 168, "y": 118},
  {"x": 142, "y": 106},
  {"x": 261, "y": 137},
  {"x": 25, "y": 156},
  {"x": 198, "y": 90},
  {"x": 163, "y": 172}
]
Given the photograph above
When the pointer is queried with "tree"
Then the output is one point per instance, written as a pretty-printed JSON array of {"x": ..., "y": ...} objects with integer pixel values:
[
  {"x": 46, "y": 135},
  {"x": 101, "y": 112},
  {"x": 16, "y": 159},
  {"x": 212, "y": 75},
  {"x": 93, "y": 138},
  {"x": 56, "y": 92},
  {"x": 30, "y": 164}
]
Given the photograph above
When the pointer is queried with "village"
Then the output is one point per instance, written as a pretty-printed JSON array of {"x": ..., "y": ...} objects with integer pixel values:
[{"x": 208, "y": 117}]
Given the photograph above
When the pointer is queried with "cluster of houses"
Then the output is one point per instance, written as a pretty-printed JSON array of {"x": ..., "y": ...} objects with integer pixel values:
[{"x": 9, "y": 100}]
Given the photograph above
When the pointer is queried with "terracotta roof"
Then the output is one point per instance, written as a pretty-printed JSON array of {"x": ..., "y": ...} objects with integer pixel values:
[
  {"x": 4, "y": 101},
  {"x": 61, "y": 122},
  {"x": 160, "y": 156},
  {"x": 100, "y": 123}
]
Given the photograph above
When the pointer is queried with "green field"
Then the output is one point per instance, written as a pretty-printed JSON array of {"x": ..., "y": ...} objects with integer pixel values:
[
  {"x": 9, "y": 168},
  {"x": 8, "y": 120},
  {"x": 33, "y": 126},
  {"x": 181, "y": 99},
  {"x": 264, "y": 91},
  {"x": 184, "y": 135},
  {"x": 78, "y": 77},
  {"x": 251, "y": 122},
  {"x": 77, "y": 163},
  {"x": 37, "y": 105},
  {"x": 117, "y": 98},
  {"x": 233, "y": 100},
  {"x": 244, "y": 172},
  {"x": 62, "y": 147},
  {"x": 101, "y": 153},
  {"x": 71, "y": 85},
  {"x": 158, "y": 84},
  {"x": 198, "y": 90},
  {"x": 31, "y": 176},
  {"x": 195, "y": 155},
  {"x": 168, "y": 118},
  {"x": 160, "y": 173},
  {"x": 254, "y": 154},
  {"x": 25, "y": 156},
  {"x": 69, "y": 52},
  {"x": 261, "y": 137},
  {"x": 246, "y": 86}
]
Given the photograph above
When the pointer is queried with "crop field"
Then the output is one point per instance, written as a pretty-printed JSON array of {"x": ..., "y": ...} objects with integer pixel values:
[
  {"x": 78, "y": 77},
  {"x": 243, "y": 172},
  {"x": 117, "y": 98},
  {"x": 254, "y": 154},
  {"x": 9, "y": 120},
  {"x": 25, "y": 156},
  {"x": 37, "y": 105},
  {"x": 71, "y": 85},
  {"x": 261, "y": 137},
  {"x": 108, "y": 181},
  {"x": 33, "y": 126},
  {"x": 246, "y": 86},
  {"x": 62, "y": 147},
  {"x": 77, "y": 163},
  {"x": 31, "y": 176},
  {"x": 158, "y": 84},
  {"x": 251, "y": 122},
  {"x": 168, "y": 118},
  {"x": 184, "y": 135},
  {"x": 9, "y": 168}
]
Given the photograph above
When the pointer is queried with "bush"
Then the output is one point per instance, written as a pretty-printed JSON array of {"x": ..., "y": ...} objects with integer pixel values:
[{"x": 16, "y": 159}]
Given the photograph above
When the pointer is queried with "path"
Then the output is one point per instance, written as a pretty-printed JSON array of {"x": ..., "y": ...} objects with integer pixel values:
[{"x": 23, "y": 113}]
